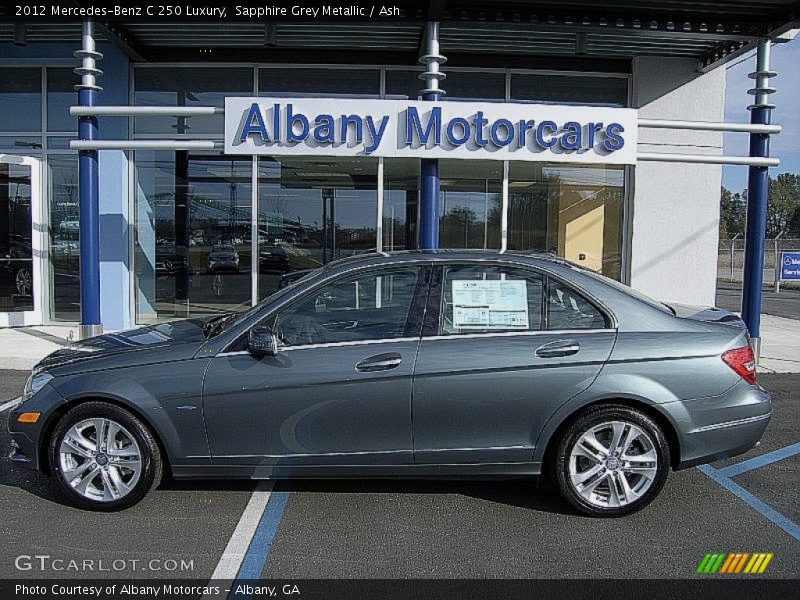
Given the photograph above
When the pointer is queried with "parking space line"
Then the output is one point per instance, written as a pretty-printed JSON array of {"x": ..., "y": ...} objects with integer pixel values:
[
  {"x": 260, "y": 546},
  {"x": 760, "y": 461},
  {"x": 755, "y": 503},
  {"x": 234, "y": 553}
]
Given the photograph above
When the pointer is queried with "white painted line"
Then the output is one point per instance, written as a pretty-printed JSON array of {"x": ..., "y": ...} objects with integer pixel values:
[
  {"x": 10, "y": 404},
  {"x": 231, "y": 559}
]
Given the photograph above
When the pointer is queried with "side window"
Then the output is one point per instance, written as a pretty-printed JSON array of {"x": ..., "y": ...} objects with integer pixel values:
[
  {"x": 566, "y": 309},
  {"x": 364, "y": 307},
  {"x": 485, "y": 299}
]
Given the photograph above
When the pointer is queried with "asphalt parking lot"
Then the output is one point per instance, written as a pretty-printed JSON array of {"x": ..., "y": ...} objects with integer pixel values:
[{"x": 360, "y": 529}]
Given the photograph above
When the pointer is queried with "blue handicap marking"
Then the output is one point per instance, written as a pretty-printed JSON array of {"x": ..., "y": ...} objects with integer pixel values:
[
  {"x": 724, "y": 477},
  {"x": 790, "y": 266}
]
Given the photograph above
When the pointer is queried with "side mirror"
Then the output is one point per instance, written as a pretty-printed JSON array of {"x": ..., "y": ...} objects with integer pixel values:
[{"x": 261, "y": 341}]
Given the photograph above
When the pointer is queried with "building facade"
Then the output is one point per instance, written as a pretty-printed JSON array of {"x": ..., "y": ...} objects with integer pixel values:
[{"x": 188, "y": 232}]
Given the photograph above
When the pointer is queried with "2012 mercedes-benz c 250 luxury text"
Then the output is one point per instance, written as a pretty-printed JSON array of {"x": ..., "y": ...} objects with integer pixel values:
[{"x": 422, "y": 365}]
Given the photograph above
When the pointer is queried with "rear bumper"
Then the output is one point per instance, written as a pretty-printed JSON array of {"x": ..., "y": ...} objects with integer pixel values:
[{"x": 720, "y": 426}]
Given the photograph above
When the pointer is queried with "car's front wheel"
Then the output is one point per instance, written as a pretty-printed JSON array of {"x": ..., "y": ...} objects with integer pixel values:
[
  {"x": 611, "y": 461},
  {"x": 103, "y": 457}
]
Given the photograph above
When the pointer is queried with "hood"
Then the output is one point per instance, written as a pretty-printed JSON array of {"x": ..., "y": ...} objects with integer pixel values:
[
  {"x": 708, "y": 314},
  {"x": 162, "y": 334}
]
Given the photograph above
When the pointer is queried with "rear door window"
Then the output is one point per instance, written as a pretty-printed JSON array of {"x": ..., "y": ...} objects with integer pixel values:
[{"x": 567, "y": 309}]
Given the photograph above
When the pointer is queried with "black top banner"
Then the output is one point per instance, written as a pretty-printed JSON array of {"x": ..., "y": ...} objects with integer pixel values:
[{"x": 213, "y": 11}]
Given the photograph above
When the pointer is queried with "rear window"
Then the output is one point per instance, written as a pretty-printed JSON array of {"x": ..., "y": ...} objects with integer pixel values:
[{"x": 626, "y": 289}]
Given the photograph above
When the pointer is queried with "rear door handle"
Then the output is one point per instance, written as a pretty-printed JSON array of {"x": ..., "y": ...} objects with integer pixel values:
[
  {"x": 558, "y": 348},
  {"x": 380, "y": 362}
]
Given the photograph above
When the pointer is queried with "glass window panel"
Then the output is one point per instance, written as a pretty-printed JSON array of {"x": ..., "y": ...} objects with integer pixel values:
[
  {"x": 21, "y": 97},
  {"x": 470, "y": 203},
  {"x": 58, "y": 143},
  {"x": 459, "y": 85},
  {"x": 16, "y": 228},
  {"x": 367, "y": 307},
  {"x": 572, "y": 211},
  {"x": 61, "y": 95},
  {"x": 570, "y": 89},
  {"x": 400, "y": 201},
  {"x": 64, "y": 240},
  {"x": 486, "y": 299},
  {"x": 192, "y": 235},
  {"x": 312, "y": 210},
  {"x": 188, "y": 86},
  {"x": 567, "y": 309},
  {"x": 319, "y": 81},
  {"x": 21, "y": 144}
]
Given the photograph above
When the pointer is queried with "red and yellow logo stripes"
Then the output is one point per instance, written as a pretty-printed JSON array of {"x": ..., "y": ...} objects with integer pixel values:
[{"x": 735, "y": 563}]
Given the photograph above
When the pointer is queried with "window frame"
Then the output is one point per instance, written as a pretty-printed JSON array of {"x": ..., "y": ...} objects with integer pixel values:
[{"x": 436, "y": 289}]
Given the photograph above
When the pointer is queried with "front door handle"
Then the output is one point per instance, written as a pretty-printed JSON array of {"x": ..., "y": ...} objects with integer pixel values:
[
  {"x": 558, "y": 348},
  {"x": 380, "y": 362}
]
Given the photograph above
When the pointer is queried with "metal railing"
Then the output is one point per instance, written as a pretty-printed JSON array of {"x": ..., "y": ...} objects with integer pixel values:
[{"x": 730, "y": 258}]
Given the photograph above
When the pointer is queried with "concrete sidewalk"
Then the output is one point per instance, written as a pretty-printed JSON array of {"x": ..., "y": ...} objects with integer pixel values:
[{"x": 23, "y": 347}]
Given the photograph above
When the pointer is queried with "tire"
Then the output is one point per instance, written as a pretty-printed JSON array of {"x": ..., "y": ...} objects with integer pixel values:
[
  {"x": 597, "y": 480},
  {"x": 104, "y": 478}
]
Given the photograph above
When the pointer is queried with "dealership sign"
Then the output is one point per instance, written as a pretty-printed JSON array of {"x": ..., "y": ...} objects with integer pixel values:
[
  {"x": 790, "y": 266},
  {"x": 402, "y": 128}
]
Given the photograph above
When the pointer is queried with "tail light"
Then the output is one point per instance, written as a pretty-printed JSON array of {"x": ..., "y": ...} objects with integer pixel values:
[{"x": 742, "y": 361}]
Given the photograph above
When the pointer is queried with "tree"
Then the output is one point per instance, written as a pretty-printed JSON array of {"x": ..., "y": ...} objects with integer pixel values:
[
  {"x": 783, "y": 203},
  {"x": 733, "y": 213}
]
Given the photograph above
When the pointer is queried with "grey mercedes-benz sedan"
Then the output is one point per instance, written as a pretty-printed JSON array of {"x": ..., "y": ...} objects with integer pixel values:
[{"x": 439, "y": 365}]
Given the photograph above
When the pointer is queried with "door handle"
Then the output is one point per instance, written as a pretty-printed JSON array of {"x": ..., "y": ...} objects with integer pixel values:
[
  {"x": 558, "y": 348},
  {"x": 380, "y": 362}
]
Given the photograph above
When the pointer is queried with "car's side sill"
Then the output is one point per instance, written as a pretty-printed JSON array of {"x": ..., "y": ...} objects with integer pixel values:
[{"x": 440, "y": 471}]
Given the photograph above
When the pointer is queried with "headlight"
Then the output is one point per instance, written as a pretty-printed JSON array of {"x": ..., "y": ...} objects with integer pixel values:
[{"x": 35, "y": 382}]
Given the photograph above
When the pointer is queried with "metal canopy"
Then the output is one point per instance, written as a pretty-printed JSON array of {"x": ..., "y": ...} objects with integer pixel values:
[{"x": 710, "y": 32}]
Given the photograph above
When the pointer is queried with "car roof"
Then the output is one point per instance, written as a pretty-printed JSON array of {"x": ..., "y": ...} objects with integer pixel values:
[{"x": 444, "y": 255}]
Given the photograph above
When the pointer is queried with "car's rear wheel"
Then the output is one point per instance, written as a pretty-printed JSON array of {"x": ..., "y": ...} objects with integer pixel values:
[
  {"x": 611, "y": 461},
  {"x": 103, "y": 457}
]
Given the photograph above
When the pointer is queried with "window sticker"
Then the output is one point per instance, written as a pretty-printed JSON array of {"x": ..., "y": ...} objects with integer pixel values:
[{"x": 493, "y": 304}]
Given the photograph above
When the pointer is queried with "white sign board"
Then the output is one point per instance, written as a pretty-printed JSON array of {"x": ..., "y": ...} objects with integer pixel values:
[
  {"x": 401, "y": 128},
  {"x": 497, "y": 304}
]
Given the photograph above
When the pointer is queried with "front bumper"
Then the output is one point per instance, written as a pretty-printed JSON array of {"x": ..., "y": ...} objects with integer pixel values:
[
  {"x": 26, "y": 437},
  {"x": 721, "y": 426}
]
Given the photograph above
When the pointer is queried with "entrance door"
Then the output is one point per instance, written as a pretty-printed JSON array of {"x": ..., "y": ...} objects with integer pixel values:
[{"x": 22, "y": 241}]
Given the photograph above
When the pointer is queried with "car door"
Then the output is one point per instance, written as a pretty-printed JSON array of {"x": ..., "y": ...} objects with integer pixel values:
[
  {"x": 503, "y": 347},
  {"x": 338, "y": 390}
]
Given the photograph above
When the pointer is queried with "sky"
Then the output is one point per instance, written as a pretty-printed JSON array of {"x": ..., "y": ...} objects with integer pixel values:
[{"x": 785, "y": 61}]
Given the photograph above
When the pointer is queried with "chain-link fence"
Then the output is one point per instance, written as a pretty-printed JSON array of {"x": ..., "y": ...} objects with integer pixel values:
[{"x": 730, "y": 260}]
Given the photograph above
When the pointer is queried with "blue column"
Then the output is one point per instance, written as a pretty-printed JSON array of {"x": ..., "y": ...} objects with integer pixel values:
[
  {"x": 757, "y": 192},
  {"x": 88, "y": 192},
  {"x": 89, "y": 218},
  {"x": 429, "y": 199},
  {"x": 429, "y": 168}
]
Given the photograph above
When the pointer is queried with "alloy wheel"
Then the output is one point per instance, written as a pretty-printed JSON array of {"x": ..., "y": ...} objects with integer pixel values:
[
  {"x": 613, "y": 464},
  {"x": 24, "y": 282},
  {"x": 100, "y": 459}
]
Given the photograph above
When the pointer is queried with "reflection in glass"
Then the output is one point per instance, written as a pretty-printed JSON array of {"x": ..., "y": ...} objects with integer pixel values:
[
  {"x": 570, "y": 89},
  {"x": 187, "y": 86},
  {"x": 312, "y": 210},
  {"x": 64, "y": 241},
  {"x": 573, "y": 211},
  {"x": 16, "y": 227},
  {"x": 21, "y": 91},
  {"x": 61, "y": 95},
  {"x": 470, "y": 204},
  {"x": 319, "y": 81},
  {"x": 192, "y": 235},
  {"x": 400, "y": 198}
]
